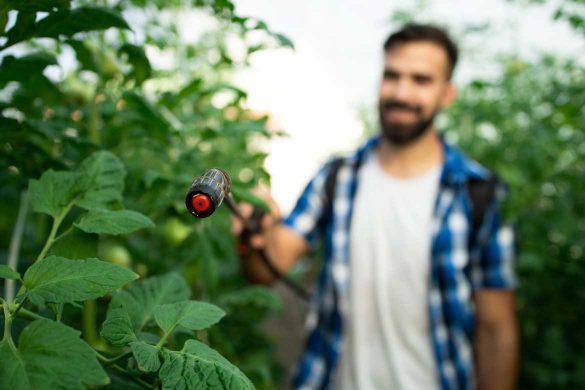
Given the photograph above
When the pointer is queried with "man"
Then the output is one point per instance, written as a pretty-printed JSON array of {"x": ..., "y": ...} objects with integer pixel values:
[{"x": 407, "y": 298}]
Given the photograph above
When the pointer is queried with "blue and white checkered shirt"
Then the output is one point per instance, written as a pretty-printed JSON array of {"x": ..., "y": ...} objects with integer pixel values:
[{"x": 456, "y": 270}]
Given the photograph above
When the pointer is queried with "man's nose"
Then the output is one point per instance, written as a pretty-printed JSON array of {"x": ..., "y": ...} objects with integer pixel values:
[{"x": 402, "y": 91}]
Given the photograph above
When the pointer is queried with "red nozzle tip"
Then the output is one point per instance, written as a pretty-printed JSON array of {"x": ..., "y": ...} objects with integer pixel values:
[{"x": 201, "y": 203}]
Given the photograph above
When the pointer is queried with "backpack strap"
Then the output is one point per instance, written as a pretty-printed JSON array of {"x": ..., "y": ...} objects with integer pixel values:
[
  {"x": 481, "y": 194},
  {"x": 330, "y": 182}
]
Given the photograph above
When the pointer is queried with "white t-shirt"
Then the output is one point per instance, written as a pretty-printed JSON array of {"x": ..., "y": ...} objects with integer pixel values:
[{"x": 387, "y": 342}]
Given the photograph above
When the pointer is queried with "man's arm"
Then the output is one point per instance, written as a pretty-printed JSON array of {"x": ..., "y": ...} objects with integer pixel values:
[{"x": 496, "y": 340}]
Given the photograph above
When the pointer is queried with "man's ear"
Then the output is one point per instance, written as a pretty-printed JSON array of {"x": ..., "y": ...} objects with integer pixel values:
[{"x": 449, "y": 95}]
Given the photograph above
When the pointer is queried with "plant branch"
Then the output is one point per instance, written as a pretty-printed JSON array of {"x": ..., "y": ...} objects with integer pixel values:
[
  {"x": 29, "y": 315},
  {"x": 138, "y": 381},
  {"x": 88, "y": 322},
  {"x": 113, "y": 360},
  {"x": 15, "y": 244},
  {"x": 51, "y": 239},
  {"x": 20, "y": 305},
  {"x": 66, "y": 232},
  {"x": 164, "y": 338},
  {"x": 7, "y": 320}
]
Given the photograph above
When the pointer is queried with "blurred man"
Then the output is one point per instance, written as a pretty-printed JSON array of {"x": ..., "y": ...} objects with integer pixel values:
[{"x": 412, "y": 295}]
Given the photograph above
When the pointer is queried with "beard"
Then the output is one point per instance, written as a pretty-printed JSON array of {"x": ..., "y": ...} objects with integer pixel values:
[{"x": 401, "y": 134}]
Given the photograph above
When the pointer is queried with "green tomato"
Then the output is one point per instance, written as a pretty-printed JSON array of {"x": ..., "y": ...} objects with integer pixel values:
[
  {"x": 116, "y": 254},
  {"x": 176, "y": 231}
]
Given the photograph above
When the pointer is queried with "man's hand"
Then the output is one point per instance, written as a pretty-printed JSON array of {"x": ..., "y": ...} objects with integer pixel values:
[
  {"x": 282, "y": 245},
  {"x": 269, "y": 219},
  {"x": 496, "y": 340}
]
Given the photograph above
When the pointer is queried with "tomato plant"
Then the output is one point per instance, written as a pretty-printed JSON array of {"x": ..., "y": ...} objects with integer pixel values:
[{"x": 99, "y": 145}]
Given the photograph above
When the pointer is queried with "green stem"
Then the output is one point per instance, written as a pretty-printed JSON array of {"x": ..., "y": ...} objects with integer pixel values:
[
  {"x": 163, "y": 340},
  {"x": 20, "y": 305},
  {"x": 120, "y": 370},
  {"x": 15, "y": 244},
  {"x": 51, "y": 239},
  {"x": 66, "y": 232},
  {"x": 7, "y": 321},
  {"x": 88, "y": 322},
  {"x": 29, "y": 315},
  {"x": 113, "y": 360},
  {"x": 131, "y": 377}
]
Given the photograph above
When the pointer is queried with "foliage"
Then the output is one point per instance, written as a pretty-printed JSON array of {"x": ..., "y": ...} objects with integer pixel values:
[
  {"x": 570, "y": 11},
  {"x": 101, "y": 143},
  {"x": 50, "y": 354}
]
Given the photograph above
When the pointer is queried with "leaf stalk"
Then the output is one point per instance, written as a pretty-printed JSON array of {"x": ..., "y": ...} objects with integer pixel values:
[
  {"x": 56, "y": 223},
  {"x": 7, "y": 321}
]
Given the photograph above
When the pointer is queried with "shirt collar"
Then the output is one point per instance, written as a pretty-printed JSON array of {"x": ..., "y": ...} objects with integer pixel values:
[{"x": 457, "y": 167}]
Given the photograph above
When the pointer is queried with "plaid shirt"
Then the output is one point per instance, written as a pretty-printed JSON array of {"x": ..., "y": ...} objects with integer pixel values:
[{"x": 455, "y": 269}]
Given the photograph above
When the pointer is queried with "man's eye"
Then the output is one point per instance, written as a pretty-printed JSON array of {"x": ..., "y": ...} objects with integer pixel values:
[
  {"x": 390, "y": 76},
  {"x": 422, "y": 80}
]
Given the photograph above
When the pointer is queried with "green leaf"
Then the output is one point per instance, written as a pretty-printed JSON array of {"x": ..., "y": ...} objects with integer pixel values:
[
  {"x": 113, "y": 222},
  {"x": 52, "y": 193},
  {"x": 50, "y": 355},
  {"x": 23, "y": 68},
  {"x": 82, "y": 19},
  {"x": 8, "y": 273},
  {"x": 85, "y": 55},
  {"x": 146, "y": 356},
  {"x": 117, "y": 327},
  {"x": 192, "y": 315},
  {"x": 38, "y": 5},
  {"x": 101, "y": 180},
  {"x": 253, "y": 295},
  {"x": 197, "y": 366},
  {"x": 22, "y": 29},
  {"x": 141, "y": 69},
  {"x": 76, "y": 245},
  {"x": 60, "y": 280},
  {"x": 143, "y": 296},
  {"x": 283, "y": 40}
]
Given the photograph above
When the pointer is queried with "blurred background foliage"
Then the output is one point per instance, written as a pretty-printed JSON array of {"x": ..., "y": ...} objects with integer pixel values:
[{"x": 79, "y": 76}]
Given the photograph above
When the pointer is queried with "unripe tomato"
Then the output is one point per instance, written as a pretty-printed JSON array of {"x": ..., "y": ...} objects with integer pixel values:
[
  {"x": 175, "y": 231},
  {"x": 115, "y": 253}
]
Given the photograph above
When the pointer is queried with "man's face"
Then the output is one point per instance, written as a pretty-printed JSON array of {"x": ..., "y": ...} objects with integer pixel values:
[{"x": 414, "y": 88}]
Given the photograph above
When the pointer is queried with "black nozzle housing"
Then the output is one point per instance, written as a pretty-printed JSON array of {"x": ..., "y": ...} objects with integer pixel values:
[{"x": 207, "y": 192}]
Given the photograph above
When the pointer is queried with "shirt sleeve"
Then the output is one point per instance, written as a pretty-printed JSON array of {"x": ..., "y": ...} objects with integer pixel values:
[
  {"x": 493, "y": 266},
  {"x": 305, "y": 217}
]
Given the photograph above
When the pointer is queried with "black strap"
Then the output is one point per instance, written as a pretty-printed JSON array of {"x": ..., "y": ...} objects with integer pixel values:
[
  {"x": 330, "y": 181},
  {"x": 481, "y": 194}
]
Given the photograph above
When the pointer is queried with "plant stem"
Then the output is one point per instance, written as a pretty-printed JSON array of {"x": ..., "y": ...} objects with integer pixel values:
[
  {"x": 66, "y": 232},
  {"x": 29, "y": 315},
  {"x": 164, "y": 338},
  {"x": 139, "y": 381},
  {"x": 7, "y": 320},
  {"x": 15, "y": 244},
  {"x": 113, "y": 360},
  {"x": 51, "y": 239},
  {"x": 20, "y": 305},
  {"x": 88, "y": 321}
]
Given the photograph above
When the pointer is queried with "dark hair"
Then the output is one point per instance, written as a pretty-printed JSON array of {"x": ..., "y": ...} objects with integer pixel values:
[{"x": 428, "y": 33}]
